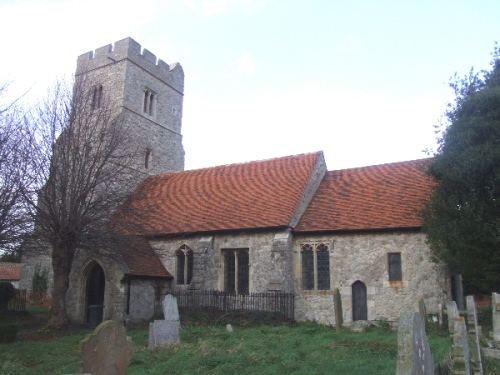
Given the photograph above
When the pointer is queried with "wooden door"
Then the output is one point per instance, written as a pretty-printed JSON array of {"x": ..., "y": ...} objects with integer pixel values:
[{"x": 359, "y": 306}]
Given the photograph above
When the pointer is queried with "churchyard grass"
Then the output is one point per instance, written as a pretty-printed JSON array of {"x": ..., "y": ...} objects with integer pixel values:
[{"x": 304, "y": 348}]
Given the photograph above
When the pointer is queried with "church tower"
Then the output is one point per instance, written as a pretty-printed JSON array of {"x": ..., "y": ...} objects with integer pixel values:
[{"x": 148, "y": 95}]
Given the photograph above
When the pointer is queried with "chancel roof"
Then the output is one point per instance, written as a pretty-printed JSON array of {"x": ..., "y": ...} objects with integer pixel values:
[
  {"x": 378, "y": 197},
  {"x": 255, "y": 195}
]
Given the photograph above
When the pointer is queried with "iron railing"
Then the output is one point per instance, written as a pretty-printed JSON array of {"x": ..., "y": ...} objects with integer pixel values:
[{"x": 273, "y": 302}]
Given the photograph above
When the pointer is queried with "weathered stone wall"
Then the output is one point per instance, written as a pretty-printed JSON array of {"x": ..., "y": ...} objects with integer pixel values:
[
  {"x": 114, "y": 289},
  {"x": 30, "y": 259},
  {"x": 267, "y": 259},
  {"x": 142, "y": 295},
  {"x": 364, "y": 257}
]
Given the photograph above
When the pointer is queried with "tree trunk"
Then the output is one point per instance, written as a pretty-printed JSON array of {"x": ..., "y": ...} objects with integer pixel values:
[{"x": 62, "y": 257}]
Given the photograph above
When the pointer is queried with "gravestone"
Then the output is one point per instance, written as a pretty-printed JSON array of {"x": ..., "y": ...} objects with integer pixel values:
[
  {"x": 452, "y": 311},
  {"x": 495, "y": 305},
  {"x": 107, "y": 351},
  {"x": 337, "y": 305},
  {"x": 461, "y": 355},
  {"x": 474, "y": 344},
  {"x": 165, "y": 332},
  {"x": 414, "y": 353}
]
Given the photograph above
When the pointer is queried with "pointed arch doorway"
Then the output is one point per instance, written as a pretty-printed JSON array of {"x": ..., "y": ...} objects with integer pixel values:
[
  {"x": 359, "y": 305},
  {"x": 95, "y": 294}
]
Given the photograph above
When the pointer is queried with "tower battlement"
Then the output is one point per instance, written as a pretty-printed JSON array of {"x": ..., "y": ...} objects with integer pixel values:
[{"x": 128, "y": 48}]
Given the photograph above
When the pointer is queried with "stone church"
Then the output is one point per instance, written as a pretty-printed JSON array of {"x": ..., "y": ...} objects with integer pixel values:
[{"x": 285, "y": 224}]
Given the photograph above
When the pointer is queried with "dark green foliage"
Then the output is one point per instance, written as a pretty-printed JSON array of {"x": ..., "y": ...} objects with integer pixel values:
[
  {"x": 39, "y": 282},
  {"x": 462, "y": 219},
  {"x": 7, "y": 292}
]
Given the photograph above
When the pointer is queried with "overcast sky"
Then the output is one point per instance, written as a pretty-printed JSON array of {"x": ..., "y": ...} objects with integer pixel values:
[{"x": 364, "y": 81}]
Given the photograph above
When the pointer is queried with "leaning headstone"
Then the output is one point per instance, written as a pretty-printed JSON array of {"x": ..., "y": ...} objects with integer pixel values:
[
  {"x": 495, "y": 304},
  {"x": 422, "y": 310},
  {"x": 107, "y": 351},
  {"x": 337, "y": 305},
  {"x": 414, "y": 353},
  {"x": 474, "y": 344},
  {"x": 452, "y": 311},
  {"x": 229, "y": 328},
  {"x": 165, "y": 332},
  {"x": 461, "y": 356}
]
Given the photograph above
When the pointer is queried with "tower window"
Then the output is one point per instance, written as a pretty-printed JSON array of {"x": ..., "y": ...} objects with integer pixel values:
[
  {"x": 149, "y": 105},
  {"x": 147, "y": 159},
  {"x": 96, "y": 97}
]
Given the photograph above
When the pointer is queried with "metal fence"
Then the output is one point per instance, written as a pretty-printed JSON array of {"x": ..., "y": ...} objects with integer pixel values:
[
  {"x": 18, "y": 303},
  {"x": 273, "y": 302}
]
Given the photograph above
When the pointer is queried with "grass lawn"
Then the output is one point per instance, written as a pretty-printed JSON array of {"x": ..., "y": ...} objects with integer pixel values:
[{"x": 304, "y": 348}]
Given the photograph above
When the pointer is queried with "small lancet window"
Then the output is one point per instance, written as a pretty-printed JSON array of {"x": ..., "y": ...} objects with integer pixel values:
[{"x": 147, "y": 159}]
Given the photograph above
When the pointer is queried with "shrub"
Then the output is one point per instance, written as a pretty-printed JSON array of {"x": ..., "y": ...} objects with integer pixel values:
[{"x": 7, "y": 292}]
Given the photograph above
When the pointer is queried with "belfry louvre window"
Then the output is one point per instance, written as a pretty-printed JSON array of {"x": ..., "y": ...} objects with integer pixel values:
[
  {"x": 394, "y": 260},
  {"x": 315, "y": 266},
  {"x": 236, "y": 271},
  {"x": 149, "y": 104},
  {"x": 184, "y": 258}
]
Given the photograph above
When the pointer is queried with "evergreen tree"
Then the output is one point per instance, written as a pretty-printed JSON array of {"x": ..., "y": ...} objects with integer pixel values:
[{"x": 462, "y": 218}]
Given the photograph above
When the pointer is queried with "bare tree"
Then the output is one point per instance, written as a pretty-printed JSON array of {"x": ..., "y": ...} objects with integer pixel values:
[
  {"x": 14, "y": 221},
  {"x": 81, "y": 156}
]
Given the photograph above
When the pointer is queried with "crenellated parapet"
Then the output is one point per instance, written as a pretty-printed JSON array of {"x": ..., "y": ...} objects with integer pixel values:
[{"x": 128, "y": 48}]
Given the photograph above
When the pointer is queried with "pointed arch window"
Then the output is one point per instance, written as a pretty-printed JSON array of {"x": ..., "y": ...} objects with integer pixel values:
[
  {"x": 185, "y": 260},
  {"x": 315, "y": 266}
]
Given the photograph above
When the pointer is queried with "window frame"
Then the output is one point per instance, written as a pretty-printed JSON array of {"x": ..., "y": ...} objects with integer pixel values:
[
  {"x": 184, "y": 261},
  {"x": 149, "y": 102},
  {"x": 315, "y": 266},
  {"x": 395, "y": 269},
  {"x": 236, "y": 275}
]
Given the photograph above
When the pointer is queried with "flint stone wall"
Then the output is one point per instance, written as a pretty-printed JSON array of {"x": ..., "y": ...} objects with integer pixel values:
[
  {"x": 268, "y": 260},
  {"x": 364, "y": 257}
]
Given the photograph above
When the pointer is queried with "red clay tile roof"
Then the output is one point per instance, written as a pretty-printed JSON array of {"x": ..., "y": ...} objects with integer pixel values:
[
  {"x": 10, "y": 271},
  {"x": 378, "y": 197},
  {"x": 261, "y": 194},
  {"x": 141, "y": 258}
]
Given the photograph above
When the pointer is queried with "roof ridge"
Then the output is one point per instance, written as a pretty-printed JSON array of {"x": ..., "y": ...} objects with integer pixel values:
[{"x": 381, "y": 164}]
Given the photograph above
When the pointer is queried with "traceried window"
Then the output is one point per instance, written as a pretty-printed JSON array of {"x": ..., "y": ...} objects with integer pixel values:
[
  {"x": 184, "y": 258},
  {"x": 236, "y": 271},
  {"x": 315, "y": 266},
  {"x": 149, "y": 104},
  {"x": 96, "y": 96},
  {"x": 394, "y": 261}
]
